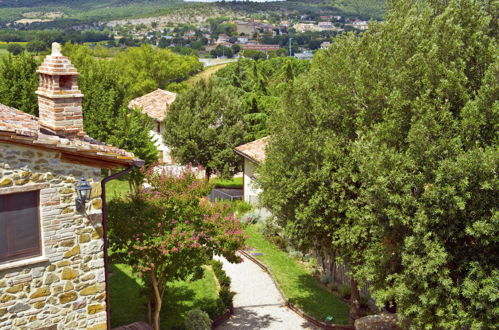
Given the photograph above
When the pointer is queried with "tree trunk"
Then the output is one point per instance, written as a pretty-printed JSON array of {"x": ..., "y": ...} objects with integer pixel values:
[
  {"x": 207, "y": 174},
  {"x": 157, "y": 302},
  {"x": 354, "y": 299}
]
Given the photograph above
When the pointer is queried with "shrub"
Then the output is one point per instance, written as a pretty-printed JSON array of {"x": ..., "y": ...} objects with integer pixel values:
[
  {"x": 364, "y": 301},
  {"x": 242, "y": 207},
  {"x": 215, "y": 309},
  {"x": 296, "y": 254},
  {"x": 222, "y": 277},
  {"x": 345, "y": 291},
  {"x": 333, "y": 286},
  {"x": 280, "y": 242},
  {"x": 224, "y": 281},
  {"x": 325, "y": 279},
  {"x": 197, "y": 319},
  {"x": 250, "y": 217},
  {"x": 226, "y": 296},
  {"x": 315, "y": 271}
]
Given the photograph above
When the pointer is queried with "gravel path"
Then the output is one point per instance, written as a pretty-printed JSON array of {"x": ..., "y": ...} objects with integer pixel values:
[{"x": 257, "y": 303}]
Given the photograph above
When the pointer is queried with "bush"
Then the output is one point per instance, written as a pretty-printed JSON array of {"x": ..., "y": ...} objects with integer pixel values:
[
  {"x": 222, "y": 277},
  {"x": 250, "y": 217},
  {"x": 226, "y": 296},
  {"x": 215, "y": 309},
  {"x": 280, "y": 242},
  {"x": 345, "y": 291},
  {"x": 364, "y": 301},
  {"x": 333, "y": 286},
  {"x": 296, "y": 255},
  {"x": 197, "y": 319},
  {"x": 242, "y": 207},
  {"x": 325, "y": 279}
]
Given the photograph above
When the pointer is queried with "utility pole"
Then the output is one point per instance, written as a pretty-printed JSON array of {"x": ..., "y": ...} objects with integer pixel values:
[{"x": 290, "y": 46}]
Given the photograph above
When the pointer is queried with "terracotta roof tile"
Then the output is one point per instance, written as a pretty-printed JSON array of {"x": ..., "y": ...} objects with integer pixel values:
[
  {"x": 155, "y": 104},
  {"x": 254, "y": 150},
  {"x": 20, "y": 127}
]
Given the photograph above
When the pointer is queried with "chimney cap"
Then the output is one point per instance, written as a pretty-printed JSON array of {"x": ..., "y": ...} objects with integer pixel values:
[{"x": 56, "y": 49}]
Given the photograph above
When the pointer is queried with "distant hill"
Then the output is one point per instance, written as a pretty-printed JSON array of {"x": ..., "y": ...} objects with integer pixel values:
[
  {"x": 74, "y": 3},
  {"x": 81, "y": 10},
  {"x": 73, "y": 11}
]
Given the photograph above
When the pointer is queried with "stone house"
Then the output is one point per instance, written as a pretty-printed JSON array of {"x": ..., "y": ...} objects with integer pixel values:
[
  {"x": 52, "y": 246},
  {"x": 155, "y": 105},
  {"x": 253, "y": 154}
]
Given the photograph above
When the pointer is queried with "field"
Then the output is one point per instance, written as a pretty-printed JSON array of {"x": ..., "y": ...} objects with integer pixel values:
[{"x": 205, "y": 74}]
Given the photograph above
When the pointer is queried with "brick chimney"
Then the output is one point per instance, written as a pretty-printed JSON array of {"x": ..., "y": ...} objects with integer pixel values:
[{"x": 59, "y": 98}]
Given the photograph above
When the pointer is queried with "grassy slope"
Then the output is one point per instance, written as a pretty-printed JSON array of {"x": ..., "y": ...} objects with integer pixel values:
[
  {"x": 205, "y": 74},
  {"x": 296, "y": 283},
  {"x": 128, "y": 304}
]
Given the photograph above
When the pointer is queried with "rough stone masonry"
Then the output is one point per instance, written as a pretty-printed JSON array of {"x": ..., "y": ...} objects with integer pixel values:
[{"x": 65, "y": 289}]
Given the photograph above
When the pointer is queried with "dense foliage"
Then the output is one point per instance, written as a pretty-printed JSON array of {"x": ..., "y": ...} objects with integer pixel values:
[
  {"x": 208, "y": 121},
  {"x": 203, "y": 126},
  {"x": 108, "y": 86},
  {"x": 170, "y": 231},
  {"x": 385, "y": 155},
  {"x": 260, "y": 86},
  {"x": 18, "y": 82}
]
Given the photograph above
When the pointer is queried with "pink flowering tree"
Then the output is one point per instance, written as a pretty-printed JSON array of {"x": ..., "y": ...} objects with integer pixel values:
[{"x": 170, "y": 231}]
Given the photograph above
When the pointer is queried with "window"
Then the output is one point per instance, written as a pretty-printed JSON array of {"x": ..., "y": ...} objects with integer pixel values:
[
  {"x": 19, "y": 226},
  {"x": 159, "y": 127}
]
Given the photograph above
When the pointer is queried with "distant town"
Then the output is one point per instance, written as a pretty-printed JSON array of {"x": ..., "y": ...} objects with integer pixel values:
[{"x": 297, "y": 36}]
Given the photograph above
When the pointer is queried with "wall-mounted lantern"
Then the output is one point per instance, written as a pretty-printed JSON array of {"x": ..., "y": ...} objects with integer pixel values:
[{"x": 83, "y": 189}]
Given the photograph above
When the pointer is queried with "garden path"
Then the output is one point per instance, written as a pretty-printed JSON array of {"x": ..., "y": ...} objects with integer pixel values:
[{"x": 257, "y": 303}]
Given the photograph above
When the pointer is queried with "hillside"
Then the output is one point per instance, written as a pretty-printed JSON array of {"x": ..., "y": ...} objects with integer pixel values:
[
  {"x": 81, "y": 10},
  {"x": 45, "y": 12}
]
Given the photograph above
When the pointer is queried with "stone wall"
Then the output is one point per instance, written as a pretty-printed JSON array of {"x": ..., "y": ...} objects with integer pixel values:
[{"x": 65, "y": 287}]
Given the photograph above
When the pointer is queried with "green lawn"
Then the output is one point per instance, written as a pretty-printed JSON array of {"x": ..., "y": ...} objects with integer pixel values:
[
  {"x": 231, "y": 183},
  {"x": 3, "y": 53},
  {"x": 128, "y": 304},
  {"x": 116, "y": 188},
  {"x": 301, "y": 288}
]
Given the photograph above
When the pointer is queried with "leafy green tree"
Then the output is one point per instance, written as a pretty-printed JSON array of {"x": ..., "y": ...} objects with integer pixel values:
[
  {"x": 19, "y": 81},
  {"x": 105, "y": 113},
  {"x": 132, "y": 134},
  {"x": 204, "y": 125},
  {"x": 145, "y": 69},
  {"x": 385, "y": 153},
  {"x": 36, "y": 46},
  {"x": 254, "y": 54},
  {"x": 222, "y": 51},
  {"x": 260, "y": 83},
  {"x": 170, "y": 231},
  {"x": 15, "y": 49}
]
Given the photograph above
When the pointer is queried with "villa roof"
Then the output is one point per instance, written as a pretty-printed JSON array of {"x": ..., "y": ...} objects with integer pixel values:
[
  {"x": 21, "y": 128},
  {"x": 255, "y": 150},
  {"x": 155, "y": 104}
]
